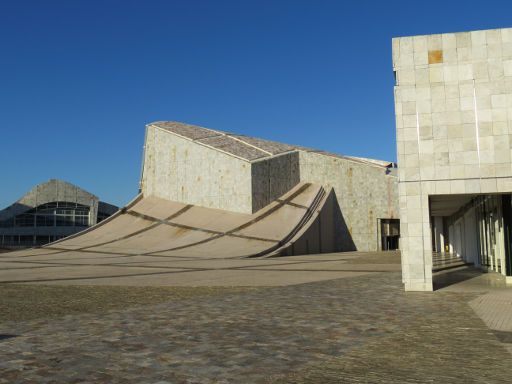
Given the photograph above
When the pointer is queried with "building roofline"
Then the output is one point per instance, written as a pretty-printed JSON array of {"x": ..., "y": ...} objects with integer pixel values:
[{"x": 198, "y": 134}]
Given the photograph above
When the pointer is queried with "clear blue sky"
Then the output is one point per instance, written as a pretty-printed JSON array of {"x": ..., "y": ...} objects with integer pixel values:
[{"x": 79, "y": 79}]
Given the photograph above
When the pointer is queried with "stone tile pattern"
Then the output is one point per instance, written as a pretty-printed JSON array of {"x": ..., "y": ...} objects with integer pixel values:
[
  {"x": 246, "y": 177},
  {"x": 495, "y": 308},
  {"x": 439, "y": 80},
  {"x": 273, "y": 177},
  {"x": 354, "y": 330},
  {"x": 364, "y": 191},
  {"x": 183, "y": 167}
]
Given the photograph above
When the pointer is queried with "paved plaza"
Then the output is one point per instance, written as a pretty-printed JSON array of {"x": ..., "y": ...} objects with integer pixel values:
[{"x": 334, "y": 318}]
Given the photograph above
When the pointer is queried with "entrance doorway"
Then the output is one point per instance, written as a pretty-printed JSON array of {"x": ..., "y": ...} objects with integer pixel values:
[{"x": 389, "y": 234}]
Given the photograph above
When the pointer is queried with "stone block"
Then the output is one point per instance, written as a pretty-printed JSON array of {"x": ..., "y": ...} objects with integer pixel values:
[
  {"x": 472, "y": 171},
  {"x": 465, "y": 72},
  {"x": 457, "y": 171},
  {"x": 463, "y": 54},
  {"x": 434, "y": 42},
  {"x": 450, "y": 56},
  {"x": 507, "y": 68},
  {"x": 480, "y": 71},
  {"x": 457, "y": 186},
  {"x": 496, "y": 69},
  {"x": 442, "y": 187},
  {"x": 406, "y": 45},
  {"x": 472, "y": 186},
  {"x": 427, "y": 172},
  {"x": 442, "y": 172},
  {"x": 436, "y": 75},
  {"x": 451, "y": 73},
  {"x": 494, "y": 51},
  {"x": 463, "y": 39},
  {"x": 488, "y": 170},
  {"x": 503, "y": 170},
  {"x": 499, "y": 115},
  {"x": 506, "y": 35},
  {"x": 449, "y": 41},
  {"x": 428, "y": 188},
  {"x": 493, "y": 36},
  {"x": 406, "y": 77},
  {"x": 504, "y": 185},
  {"x": 455, "y": 131},
  {"x": 488, "y": 186},
  {"x": 502, "y": 157},
  {"x": 420, "y": 58},
  {"x": 478, "y": 38}
]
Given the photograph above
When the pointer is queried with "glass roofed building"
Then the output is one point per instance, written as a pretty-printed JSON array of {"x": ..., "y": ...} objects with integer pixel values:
[{"x": 50, "y": 211}]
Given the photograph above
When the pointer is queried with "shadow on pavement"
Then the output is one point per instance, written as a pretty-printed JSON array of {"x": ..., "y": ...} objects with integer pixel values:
[{"x": 450, "y": 278}]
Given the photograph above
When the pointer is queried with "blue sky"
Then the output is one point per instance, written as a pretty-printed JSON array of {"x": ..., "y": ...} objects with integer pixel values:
[{"x": 80, "y": 79}]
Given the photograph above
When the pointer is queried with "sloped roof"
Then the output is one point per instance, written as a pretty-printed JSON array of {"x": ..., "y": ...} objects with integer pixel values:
[{"x": 246, "y": 147}]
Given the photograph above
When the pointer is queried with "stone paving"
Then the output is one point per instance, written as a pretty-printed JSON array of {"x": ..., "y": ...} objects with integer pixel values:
[
  {"x": 355, "y": 329},
  {"x": 50, "y": 267}
]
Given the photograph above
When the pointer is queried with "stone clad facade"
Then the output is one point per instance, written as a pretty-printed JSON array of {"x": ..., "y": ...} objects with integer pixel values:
[
  {"x": 187, "y": 166},
  {"x": 220, "y": 170},
  {"x": 365, "y": 192},
  {"x": 453, "y": 105}
]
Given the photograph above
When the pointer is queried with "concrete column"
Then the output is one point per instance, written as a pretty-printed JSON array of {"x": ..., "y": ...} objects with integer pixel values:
[
  {"x": 439, "y": 234},
  {"x": 416, "y": 241}
]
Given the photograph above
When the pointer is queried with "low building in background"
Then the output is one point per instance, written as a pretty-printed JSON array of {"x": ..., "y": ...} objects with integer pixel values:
[
  {"x": 50, "y": 211},
  {"x": 453, "y": 103}
]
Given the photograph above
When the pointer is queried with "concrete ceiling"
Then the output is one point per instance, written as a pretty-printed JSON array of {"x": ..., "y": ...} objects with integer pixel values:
[{"x": 447, "y": 205}]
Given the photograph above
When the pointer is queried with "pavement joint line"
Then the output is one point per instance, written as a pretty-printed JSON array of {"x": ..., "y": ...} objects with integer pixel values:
[
  {"x": 344, "y": 259},
  {"x": 34, "y": 267},
  {"x": 137, "y": 265},
  {"x": 6, "y": 255},
  {"x": 183, "y": 270},
  {"x": 182, "y": 258},
  {"x": 97, "y": 277}
]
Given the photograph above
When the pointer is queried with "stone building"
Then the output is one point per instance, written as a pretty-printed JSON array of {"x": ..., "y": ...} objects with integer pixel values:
[
  {"x": 215, "y": 169},
  {"x": 48, "y": 212},
  {"x": 211, "y": 194},
  {"x": 453, "y": 105}
]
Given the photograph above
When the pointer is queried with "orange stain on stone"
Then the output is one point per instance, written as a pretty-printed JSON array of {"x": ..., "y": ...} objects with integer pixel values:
[{"x": 435, "y": 57}]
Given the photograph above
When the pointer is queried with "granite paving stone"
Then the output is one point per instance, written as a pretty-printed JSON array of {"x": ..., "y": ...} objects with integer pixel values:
[{"x": 355, "y": 329}]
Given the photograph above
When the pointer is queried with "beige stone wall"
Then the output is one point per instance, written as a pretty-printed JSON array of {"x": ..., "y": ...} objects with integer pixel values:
[
  {"x": 364, "y": 194},
  {"x": 273, "y": 177},
  {"x": 453, "y": 104},
  {"x": 179, "y": 169}
]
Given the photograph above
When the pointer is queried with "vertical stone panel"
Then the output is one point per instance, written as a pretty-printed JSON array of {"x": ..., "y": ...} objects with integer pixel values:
[
  {"x": 364, "y": 194},
  {"x": 181, "y": 170},
  {"x": 452, "y": 130}
]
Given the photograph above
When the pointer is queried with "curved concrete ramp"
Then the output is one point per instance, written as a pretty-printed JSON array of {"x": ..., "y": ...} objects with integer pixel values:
[{"x": 154, "y": 227}]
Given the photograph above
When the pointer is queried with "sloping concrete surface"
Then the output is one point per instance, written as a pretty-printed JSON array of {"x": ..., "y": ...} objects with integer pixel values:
[{"x": 156, "y": 238}]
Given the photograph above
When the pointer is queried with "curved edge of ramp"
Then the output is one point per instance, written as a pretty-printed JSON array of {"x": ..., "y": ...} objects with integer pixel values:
[
  {"x": 310, "y": 235},
  {"x": 153, "y": 228}
]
